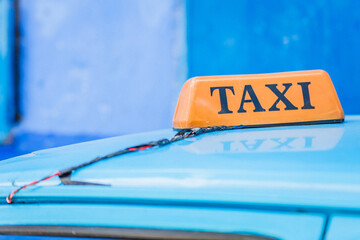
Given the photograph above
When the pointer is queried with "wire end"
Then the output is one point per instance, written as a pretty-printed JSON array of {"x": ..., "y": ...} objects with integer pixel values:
[{"x": 9, "y": 198}]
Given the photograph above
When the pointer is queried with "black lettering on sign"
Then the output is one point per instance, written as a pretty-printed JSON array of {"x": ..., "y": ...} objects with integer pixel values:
[
  {"x": 281, "y": 97},
  {"x": 223, "y": 98},
  {"x": 306, "y": 95},
  {"x": 253, "y": 98},
  {"x": 249, "y": 96}
]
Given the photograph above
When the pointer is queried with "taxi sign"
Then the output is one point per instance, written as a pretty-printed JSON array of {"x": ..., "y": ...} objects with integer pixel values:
[{"x": 303, "y": 97}]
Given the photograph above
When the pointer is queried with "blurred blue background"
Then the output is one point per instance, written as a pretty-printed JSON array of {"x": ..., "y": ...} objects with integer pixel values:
[{"x": 77, "y": 70}]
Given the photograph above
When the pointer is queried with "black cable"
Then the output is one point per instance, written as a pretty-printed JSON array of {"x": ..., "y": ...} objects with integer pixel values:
[{"x": 182, "y": 134}]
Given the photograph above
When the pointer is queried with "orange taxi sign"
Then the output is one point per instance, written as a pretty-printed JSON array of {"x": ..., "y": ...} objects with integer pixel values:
[{"x": 303, "y": 97}]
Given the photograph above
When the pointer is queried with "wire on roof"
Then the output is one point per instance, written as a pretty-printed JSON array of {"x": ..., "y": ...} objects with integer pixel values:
[{"x": 182, "y": 134}]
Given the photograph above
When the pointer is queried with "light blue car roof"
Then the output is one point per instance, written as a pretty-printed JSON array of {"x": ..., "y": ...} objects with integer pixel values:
[
  {"x": 315, "y": 165},
  {"x": 313, "y": 169}
]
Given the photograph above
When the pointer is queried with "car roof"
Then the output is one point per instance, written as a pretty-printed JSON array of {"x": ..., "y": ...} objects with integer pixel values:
[{"x": 309, "y": 166}]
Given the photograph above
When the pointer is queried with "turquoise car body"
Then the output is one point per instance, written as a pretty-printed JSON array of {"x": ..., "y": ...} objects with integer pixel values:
[{"x": 294, "y": 182}]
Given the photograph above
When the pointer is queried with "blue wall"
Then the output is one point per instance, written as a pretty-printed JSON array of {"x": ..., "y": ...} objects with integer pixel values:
[
  {"x": 93, "y": 68},
  {"x": 114, "y": 67},
  {"x": 259, "y": 36},
  {"x": 6, "y": 70},
  {"x": 101, "y": 67}
]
